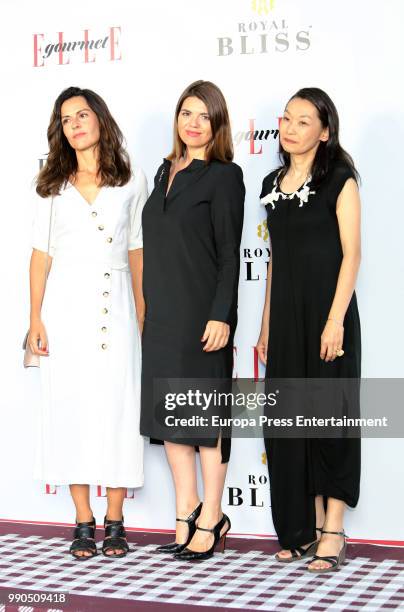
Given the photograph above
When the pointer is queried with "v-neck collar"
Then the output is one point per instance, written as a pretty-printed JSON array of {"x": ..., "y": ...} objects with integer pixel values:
[
  {"x": 91, "y": 204},
  {"x": 188, "y": 174},
  {"x": 195, "y": 163}
]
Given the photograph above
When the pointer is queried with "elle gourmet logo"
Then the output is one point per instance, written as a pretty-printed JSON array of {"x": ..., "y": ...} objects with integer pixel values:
[
  {"x": 86, "y": 47},
  {"x": 255, "y": 368},
  {"x": 51, "y": 489},
  {"x": 255, "y": 137}
]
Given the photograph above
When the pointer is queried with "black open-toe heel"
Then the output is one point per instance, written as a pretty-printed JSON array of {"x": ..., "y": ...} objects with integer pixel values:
[
  {"x": 334, "y": 560},
  {"x": 173, "y": 547},
  {"x": 115, "y": 537},
  {"x": 191, "y": 555},
  {"x": 84, "y": 540},
  {"x": 300, "y": 552}
]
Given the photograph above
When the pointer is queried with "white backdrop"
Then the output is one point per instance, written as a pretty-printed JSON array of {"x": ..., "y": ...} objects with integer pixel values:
[{"x": 259, "y": 53}]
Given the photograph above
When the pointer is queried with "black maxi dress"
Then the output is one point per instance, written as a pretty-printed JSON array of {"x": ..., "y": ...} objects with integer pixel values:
[
  {"x": 191, "y": 251},
  {"x": 306, "y": 258}
]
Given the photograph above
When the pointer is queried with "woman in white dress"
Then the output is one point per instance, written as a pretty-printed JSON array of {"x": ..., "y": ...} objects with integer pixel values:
[{"x": 91, "y": 312}]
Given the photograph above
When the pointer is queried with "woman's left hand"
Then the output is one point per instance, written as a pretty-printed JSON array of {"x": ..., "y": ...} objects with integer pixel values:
[
  {"x": 216, "y": 335},
  {"x": 331, "y": 340}
]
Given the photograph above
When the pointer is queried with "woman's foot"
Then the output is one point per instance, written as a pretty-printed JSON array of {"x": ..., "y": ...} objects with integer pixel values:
[
  {"x": 181, "y": 526},
  {"x": 331, "y": 545},
  {"x": 216, "y": 539},
  {"x": 203, "y": 540},
  {"x": 115, "y": 544},
  {"x": 295, "y": 554},
  {"x": 190, "y": 523},
  {"x": 83, "y": 545}
]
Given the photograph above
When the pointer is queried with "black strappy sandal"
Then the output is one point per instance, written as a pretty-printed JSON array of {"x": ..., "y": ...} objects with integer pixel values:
[
  {"x": 300, "y": 552},
  {"x": 334, "y": 560},
  {"x": 219, "y": 540},
  {"x": 84, "y": 540},
  {"x": 115, "y": 537},
  {"x": 173, "y": 547}
]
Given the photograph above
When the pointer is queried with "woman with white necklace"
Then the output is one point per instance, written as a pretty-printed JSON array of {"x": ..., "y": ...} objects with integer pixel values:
[{"x": 310, "y": 324}]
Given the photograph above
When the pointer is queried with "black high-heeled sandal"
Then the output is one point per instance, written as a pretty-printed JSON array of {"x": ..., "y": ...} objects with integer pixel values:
[
  {"x": 191, "y": 555},
  {"x": 84, "y": 540},
  {"x": 115, "y": 537},
  {"x": 300, "y": 552},
  {"x": 335, "y": 560},
  {"x": 173, "y": 547}
]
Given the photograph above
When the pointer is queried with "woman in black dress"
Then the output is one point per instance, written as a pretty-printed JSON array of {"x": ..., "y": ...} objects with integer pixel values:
[
  {"x": 310, "y": 324},
  {"x": 192, "y": 226}
]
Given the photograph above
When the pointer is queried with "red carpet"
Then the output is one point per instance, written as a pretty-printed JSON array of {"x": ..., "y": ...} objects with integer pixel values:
[{"x": 33, "y": 559}]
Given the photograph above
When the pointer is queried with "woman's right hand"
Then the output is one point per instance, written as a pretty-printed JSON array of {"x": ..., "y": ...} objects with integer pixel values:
[
  {"x": 38, "y": 339},
  {"x": 262, "y": 346}
]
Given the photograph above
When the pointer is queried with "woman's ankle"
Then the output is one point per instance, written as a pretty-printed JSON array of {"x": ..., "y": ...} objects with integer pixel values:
[
  {"x": 84, "y": 516},
  {"x": 183, "y": 510},
  {"x": 210, "y": 515},
  {"x": 113, "y": 515}
]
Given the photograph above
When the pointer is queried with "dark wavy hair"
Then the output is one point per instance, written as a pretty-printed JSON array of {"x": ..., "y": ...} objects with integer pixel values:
[
  {"x": 61, "y": 164},
  {"x": 328, "y": 152},
  {"x": 221, "y": 145}
]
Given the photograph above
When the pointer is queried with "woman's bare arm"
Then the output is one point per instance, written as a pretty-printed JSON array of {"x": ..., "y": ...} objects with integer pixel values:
[
  {"x": 37, "y": 338},
  {"x": 349, "y": 219},
  {"x": 136, "y": 269}
]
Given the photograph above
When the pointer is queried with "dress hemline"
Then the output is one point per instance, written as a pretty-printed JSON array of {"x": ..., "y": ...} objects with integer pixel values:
[{"x": 90, "y": 481}]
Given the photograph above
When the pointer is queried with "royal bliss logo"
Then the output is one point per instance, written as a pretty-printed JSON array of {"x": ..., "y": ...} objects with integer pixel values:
[
  {"x": 262, "y": 230},
  {"x": 85, "y": 47},
  {"x": 255, "y": 268},
  {"x": 262, "y": 7},
  {"x": 256, "y": 260},
  {"x": 255, "y": 263},
  {"x": 253, "y": 494},
  {"x": 264, "y": 31}
]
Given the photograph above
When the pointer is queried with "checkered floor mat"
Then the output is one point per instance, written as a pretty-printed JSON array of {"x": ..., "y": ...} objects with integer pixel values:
[{"x": 244, "y": 580}]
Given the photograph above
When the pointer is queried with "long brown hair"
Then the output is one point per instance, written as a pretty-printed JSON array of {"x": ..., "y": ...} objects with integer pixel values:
[
  {"x": 114, "y": 165},
  {"x": 221, "y": 145}
]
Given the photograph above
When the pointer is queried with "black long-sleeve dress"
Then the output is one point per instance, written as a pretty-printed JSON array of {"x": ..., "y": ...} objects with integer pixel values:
[
  {"x": 191, "y": 251},
  {"x": 306, "y": 259}
]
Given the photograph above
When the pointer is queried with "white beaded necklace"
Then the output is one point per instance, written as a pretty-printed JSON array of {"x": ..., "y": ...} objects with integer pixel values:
[{"x": 302, "y": 193}]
